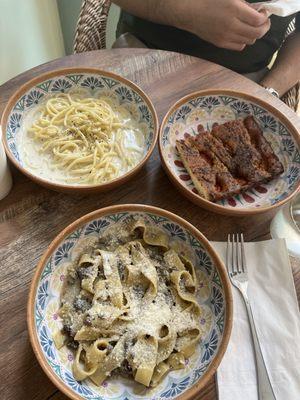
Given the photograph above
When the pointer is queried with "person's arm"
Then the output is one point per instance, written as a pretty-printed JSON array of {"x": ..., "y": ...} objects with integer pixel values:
[
  {"x": 161, "y": 12},
  {"x": 231, "y": 24},
  {"x": 285, "y": 72}
]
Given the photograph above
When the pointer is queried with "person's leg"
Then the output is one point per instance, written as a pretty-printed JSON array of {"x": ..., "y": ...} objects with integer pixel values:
[
  {"x": 128, "y": 40},
  {"x": 125, "y": 38},
  {"x": 258, "y": 75},
  {"x": 290, "y": 98}
]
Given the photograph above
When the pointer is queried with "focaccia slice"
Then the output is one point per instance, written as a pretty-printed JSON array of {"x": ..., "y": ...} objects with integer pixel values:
[
  {"x": 270, "y": 160},
  {"x": 248, "y": 161},
  {"x": 210, "y": 176}
]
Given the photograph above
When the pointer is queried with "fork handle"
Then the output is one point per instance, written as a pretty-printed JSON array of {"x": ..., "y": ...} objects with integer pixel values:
[{"x": 265, "y": 390}]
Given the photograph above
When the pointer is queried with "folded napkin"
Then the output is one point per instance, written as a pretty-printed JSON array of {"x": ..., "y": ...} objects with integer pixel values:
[
  {"x": 282, "y": 8},
  {"x": 275, "y": 308}
]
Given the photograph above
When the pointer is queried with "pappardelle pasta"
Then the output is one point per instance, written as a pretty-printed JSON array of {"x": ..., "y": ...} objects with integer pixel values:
[
  {"x": 128, "y": 306},
  {"x": 78, "y": 139}
]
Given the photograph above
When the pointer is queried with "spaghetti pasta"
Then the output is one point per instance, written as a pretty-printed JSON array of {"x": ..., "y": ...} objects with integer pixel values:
[{"x": 85, "y": 140}]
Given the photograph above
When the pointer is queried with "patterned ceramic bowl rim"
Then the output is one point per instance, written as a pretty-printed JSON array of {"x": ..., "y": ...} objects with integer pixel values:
[
  {"x": 200, "y": 200},
  {"x": 195, "y": 389},
  {"x": 74, "y": 70}
]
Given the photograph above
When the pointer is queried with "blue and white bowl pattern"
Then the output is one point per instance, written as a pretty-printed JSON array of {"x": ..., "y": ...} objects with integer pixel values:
[
  {"x": 94, "y": 85},
  {"x": 210, "y": 109},
  {"x": 47, "y": 322}
]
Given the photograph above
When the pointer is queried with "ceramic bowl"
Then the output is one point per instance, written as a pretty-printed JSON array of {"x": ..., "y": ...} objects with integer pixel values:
[
  {"x": 219, "y": 106},
  {"x": 94, "y": 81},
  {"x": 216, "y": 301}
]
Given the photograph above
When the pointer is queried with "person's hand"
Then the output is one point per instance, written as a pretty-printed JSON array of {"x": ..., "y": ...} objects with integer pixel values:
[{"x": 230, "y": 24}]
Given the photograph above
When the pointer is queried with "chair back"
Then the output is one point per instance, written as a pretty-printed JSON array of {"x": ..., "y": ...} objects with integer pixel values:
[
  {"x": 90, "y": 31},
  {"x": 292, "y": 97}
]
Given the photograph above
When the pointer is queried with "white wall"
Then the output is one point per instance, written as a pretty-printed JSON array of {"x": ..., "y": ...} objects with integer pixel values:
[
  {"x": 30, "y": 34},
  {"x": 113, "y": 18},
  {"x": 36, "y": 31},
  {"x": 69, "y": 12}
]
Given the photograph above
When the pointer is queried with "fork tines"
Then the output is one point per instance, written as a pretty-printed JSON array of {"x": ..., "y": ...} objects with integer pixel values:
[{"x": 236, "y": 261}]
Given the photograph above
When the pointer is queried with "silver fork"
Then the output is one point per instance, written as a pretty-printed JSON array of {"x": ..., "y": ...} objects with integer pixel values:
[{"x": 237, "y": 271}]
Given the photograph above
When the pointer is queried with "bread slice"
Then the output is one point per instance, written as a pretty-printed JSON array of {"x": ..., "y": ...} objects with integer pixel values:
[
  {"x": 194, "y": 166},
  {"x": 230, "y": 159},
  {"x": 270, "y": 160},
  {"x": 210, "y": 176},
  {"x": 207, "y": 142},
  {"x": 248, "y": 162}
]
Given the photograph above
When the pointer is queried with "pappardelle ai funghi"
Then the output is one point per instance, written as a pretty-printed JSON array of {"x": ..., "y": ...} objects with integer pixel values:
[{"x": 129, "y": 307}]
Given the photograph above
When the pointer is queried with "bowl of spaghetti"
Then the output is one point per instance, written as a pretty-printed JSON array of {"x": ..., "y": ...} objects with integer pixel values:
[
  {"x": 79, "y": 129},
  {"x": 130, "y": 302}
]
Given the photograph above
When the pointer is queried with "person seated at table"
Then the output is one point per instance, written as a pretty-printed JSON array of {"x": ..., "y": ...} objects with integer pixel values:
[{"x": 227, "y": 32}]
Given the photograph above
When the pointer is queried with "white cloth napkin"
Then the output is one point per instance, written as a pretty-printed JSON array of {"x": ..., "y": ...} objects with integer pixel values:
[
  {"x": 274, "y": 302},
  {"x": 282, "y": 8},
  {"x": 5, "y": 176}
]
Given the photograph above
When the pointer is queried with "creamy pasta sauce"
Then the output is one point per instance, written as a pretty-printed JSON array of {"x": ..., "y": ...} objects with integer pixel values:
[{"x": 129, "y": 134}]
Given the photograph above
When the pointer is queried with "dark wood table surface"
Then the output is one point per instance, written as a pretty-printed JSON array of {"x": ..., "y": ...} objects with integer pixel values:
[{"x": 31, "y": 216}]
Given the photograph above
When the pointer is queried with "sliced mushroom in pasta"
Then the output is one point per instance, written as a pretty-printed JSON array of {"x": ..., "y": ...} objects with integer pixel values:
[{"x": 129, "y": 306}]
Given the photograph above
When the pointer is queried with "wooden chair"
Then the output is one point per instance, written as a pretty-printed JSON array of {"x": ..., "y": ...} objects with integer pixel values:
[{"x": 91, "y": 35}]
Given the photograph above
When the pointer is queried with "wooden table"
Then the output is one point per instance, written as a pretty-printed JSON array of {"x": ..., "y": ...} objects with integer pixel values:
[{"x": 31, "y": 216}]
